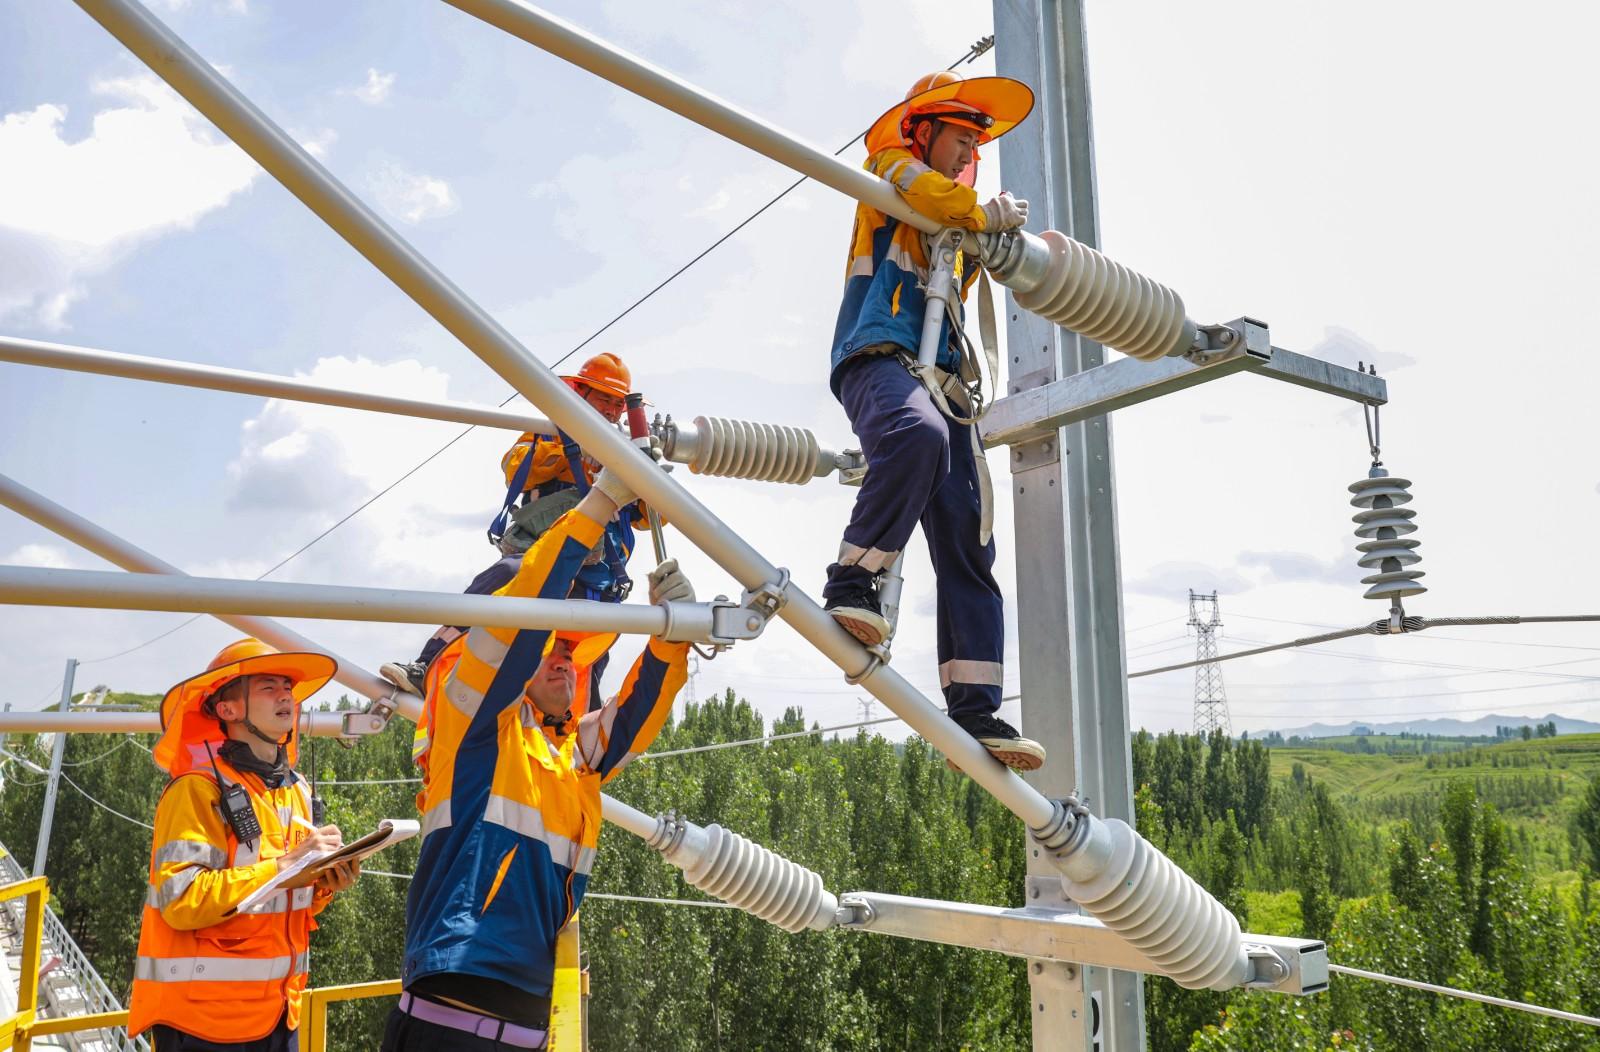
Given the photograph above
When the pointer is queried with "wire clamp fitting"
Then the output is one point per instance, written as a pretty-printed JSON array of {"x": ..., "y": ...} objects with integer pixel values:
[{"x": 769, "y": 598}]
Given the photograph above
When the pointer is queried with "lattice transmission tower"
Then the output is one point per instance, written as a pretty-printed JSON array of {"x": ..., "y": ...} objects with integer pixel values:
[{"x": 1210, "y": 698}]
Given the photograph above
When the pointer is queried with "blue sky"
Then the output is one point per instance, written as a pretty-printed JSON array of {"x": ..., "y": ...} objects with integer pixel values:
[{"x": 1408, "y": 187}]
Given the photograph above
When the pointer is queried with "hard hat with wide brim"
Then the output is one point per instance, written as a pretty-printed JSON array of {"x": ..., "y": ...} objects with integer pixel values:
[
  {"x": 1008, "y": 102},
  {"x": 185, "y": 729}
]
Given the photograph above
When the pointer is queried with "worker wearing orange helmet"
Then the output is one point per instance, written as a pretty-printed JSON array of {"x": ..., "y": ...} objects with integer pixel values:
[
  {"x": 541, "y": 467},
  {"x": 207, "y": 976},
  {"x": 513, "y": 760},
  {"x": 539, "y": 472},
  {"x": 923, "y": 462}
]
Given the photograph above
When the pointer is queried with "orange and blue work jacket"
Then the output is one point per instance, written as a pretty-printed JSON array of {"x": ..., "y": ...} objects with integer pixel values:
[
  {"x": 511, "y": 807},
  {"x": 204, "y": 968},
  {"x": 888, "y": 264}
]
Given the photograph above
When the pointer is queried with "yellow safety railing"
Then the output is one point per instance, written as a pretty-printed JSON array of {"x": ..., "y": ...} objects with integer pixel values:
[
  {"x": 18, "y": 1032},
  {"x": 314, "y": 1012},
  {"x": 14, "y": 1031}
]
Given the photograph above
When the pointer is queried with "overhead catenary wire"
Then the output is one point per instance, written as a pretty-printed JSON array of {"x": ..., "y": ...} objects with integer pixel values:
[
  {"x": 1412, "y": 624},
  {"x": 1467, "y": 995},
  {"x": 104, "y": 807},
  {"x": 1430, "y": 635}
]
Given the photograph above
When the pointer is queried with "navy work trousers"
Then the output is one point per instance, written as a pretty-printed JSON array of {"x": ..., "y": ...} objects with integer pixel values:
[{"x": 920, "y": 468}]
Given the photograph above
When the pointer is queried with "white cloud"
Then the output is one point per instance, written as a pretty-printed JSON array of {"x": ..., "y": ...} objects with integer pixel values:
[
  {"x": 47, "y": 556},
  {"x": 69, "y": 210},
  {"x": 412, "y": 196},
  {"x": 320, "y": 144},
  {"x": 376, "y": 89}
]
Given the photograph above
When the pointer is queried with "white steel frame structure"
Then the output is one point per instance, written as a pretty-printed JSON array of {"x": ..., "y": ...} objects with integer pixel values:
[{"x": 1084, "y": 975}]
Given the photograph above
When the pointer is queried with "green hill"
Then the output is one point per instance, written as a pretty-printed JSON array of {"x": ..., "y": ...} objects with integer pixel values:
[{"x": 1536, "y": 785}]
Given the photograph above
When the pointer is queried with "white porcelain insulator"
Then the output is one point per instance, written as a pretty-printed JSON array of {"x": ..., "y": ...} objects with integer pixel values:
[
  {"x": 743, "y": 449},
  {"x": 760, "y": 882},
  {"x": 1384, "y": 526},
  {"x": 1097, "y": 297},
  {"x": 1121, "y": 880}
]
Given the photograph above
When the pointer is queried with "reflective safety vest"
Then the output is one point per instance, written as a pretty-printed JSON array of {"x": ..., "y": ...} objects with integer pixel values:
[{"x": 203, "y": 968}]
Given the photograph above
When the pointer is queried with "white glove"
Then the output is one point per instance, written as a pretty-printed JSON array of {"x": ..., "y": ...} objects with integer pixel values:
[
  {"x": 1004, "y": 213},
  {"x": 609, "y": 483},
  {"x": 669, "y": 585}
]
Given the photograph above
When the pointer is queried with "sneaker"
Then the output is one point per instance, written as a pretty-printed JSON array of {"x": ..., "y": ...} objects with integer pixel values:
[
  {"x": 1004, "y": 743},
  {"x": 410, "y": 677},
  {"x": 859, "y": 614}
]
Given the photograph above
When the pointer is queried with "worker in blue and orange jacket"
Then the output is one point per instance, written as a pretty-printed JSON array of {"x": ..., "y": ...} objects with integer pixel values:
[
  {"x": 539, "y": 477},
  {"x": 510, "y": 802},
  {"x": 207, "y": 976},
  {"x": 922, "y": 459}
]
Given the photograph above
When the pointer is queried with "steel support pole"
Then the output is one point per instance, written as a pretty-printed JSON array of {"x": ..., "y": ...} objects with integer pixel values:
[
  {"x": 242, "y": 381},
  {"x": 210, "y": 92},
  {"x": 1069, "y": 605},
  {"x": 53, "y": 786}
]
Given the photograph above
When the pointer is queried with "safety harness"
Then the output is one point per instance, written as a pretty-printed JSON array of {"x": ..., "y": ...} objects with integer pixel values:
[
  {"x": 960, "y": 395},
  {"x": 621, "y": 584}
]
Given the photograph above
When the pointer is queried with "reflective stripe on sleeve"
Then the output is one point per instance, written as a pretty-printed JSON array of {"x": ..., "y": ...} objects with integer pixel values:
[
  {"x": 162, "y": 895},
  {"x": 200, "y": 851}
]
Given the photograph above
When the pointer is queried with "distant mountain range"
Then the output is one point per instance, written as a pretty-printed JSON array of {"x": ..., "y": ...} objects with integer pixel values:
[{"x": 1483, "y": 727}]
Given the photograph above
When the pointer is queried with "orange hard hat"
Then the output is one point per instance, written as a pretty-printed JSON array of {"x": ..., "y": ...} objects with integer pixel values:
[
  {"x": 604, "y": 372},
  {"x": 186, "y": 727},
  {"x": 990, "y": 106}
]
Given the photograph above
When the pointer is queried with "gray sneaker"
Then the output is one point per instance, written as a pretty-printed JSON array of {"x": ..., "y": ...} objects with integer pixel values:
[
  {"x": 410, "y": 676},
  {"x": 1004, "y": 743}
]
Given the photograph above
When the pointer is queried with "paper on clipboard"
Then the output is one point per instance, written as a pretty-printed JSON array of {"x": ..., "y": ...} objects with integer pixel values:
[{"x": 305, "y": 870}]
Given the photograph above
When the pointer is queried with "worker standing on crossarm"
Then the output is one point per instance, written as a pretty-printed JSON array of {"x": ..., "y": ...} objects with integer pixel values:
[
  {"x": 209, "y": 977},
  {"x": 510, "y": 802},
  {"x": 921, "y": 462},
  {"x": 540, "y": 489}
]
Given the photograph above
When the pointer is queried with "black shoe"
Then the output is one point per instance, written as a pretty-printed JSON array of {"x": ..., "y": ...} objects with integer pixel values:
[
  {"x": 1004, "y": 743},
  {"x": 859, "y": 613},
  {"x": 410, "y": 677}
]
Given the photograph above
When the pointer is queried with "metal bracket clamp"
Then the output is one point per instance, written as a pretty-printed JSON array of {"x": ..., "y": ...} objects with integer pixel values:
[
  {"x": 769, "y": 598},
  {"x": 854, "y": 912},
  {"x": 1241, "y": 336},
  {"x": 722, "y": 622},
  {"x": 852, "y": 466},
  {"x": 371, "y": 720}
]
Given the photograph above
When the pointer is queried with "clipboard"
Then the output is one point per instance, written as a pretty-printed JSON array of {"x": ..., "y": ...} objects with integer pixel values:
[{"x": 305, "y": 871}]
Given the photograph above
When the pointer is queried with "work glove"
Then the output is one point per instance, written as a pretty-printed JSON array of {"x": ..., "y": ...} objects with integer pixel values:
[
  {"x": 669, "y": 585},
  {"x": 1004, "y": 213},
  {"x": 611, "y": 484}
]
